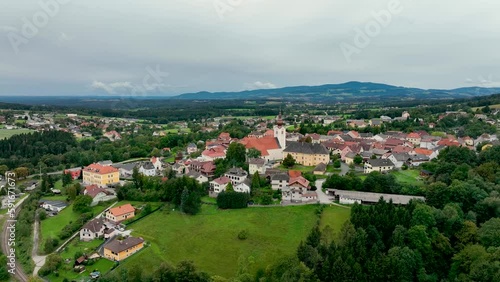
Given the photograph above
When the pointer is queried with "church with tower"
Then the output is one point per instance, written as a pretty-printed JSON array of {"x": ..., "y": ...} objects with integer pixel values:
[{"x": 272, "y": 144}]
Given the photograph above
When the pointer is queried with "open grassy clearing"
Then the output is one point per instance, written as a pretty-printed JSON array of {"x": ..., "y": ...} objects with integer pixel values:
[
  {"x": 300, "y": 168},
  {"x": 210, "y": 238},
  {"x": 410, "y": 176},
  {"x": 7, "y": 133},
  {"x": 334, "y": 217},
  {"x": 52, "y": 226}
]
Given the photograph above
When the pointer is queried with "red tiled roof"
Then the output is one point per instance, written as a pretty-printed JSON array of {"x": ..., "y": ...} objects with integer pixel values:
[
  {"x": 300, "y": 180},
  {"x": 413, "y": 135},
  {"x": 422, "y": 151},
  {"x": 100, "y": 169},
  {"x": 117, "y": 211},
  {"x": 401, "y": 149},
  {"x": 448, "y": 142},
  {"x": 222, "y": 180},
  {"x": 294, "y": 173},
  {"x": 262, "y": 144},
  {"x": 93, "y": 190}
]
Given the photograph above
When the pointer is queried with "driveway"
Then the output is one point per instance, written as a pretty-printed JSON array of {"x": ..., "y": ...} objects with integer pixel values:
[
  {"x": 344, "y": 169},
  {"x": 322, "y": 197}
]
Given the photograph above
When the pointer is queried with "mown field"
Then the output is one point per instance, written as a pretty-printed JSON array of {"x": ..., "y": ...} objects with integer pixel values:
[
  {"x": 210, "y": 239},
  {"x": 52, "y": 226},
  {"x": 7, "y": 133}
]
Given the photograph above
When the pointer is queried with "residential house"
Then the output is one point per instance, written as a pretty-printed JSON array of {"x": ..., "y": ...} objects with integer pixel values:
[
  {"x": 121, "y": 213},
  {"x": 147, "y": 169},
  {"x": 380, "y": 165},
  {"x": 191, "y": 148},
  {"x": 307, "y": 154},
  {"x": 97, "y": 194},
  {"x": 236, "y": 175},
  {"x": 30, "y": 185},
  {"x": 243, "y": 187},
  {"x": 414, "y": 138},
  {"x": 213, "y": 153},
  {"x": 256, "y": 165},
  {"x": 157, "y": 163},
  {"x": 118, "y": 250},
  {"x": 197, "y": 176},
  {"x": 75, "y": 172},
  {"x": 218, "y": 185},
  {"x": 320, "y": 169},
  {"x": 92, "y": 230},
  {"x": 416, "y": 160},
  {"x": 100, "y": 175},
  {"x": 112, "y": 135},
  {"x": 56, "y": 206},
  {"x": 431, "y": 154},
  {"x": 206, "y": 168},
  {"x": 399, "y": 159},
  {"x": 126, "y": 170},
  {"x": 349, "y": 158},
  {"x": 279, "y": 181}
]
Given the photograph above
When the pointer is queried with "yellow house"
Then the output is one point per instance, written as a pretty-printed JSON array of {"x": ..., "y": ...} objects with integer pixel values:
[
  {"x": 100, "y": 175},
  {"x": 307, "y": 154},
  {"x": 118, "y": 250},
  {"x": 120, "y": 213}
]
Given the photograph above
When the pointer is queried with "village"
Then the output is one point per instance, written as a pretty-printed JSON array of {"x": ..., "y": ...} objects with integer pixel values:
[{"x": 293, "y": 165}]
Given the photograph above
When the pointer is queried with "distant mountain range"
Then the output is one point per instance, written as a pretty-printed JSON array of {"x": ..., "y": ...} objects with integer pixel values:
[{"x": 343, "y": 92}]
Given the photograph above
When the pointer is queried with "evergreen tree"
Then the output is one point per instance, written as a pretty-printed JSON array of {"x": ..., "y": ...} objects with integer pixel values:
[{"x": 289, "y": 161}]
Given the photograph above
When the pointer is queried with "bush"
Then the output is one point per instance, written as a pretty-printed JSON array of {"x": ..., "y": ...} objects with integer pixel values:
[
  {"x": 266, "y": 199},
  {"x": 243, "y": 235},
  {"x": 42, "y": 214},
  {"x": 336, "y": 163},
  {"x": 232, "y": 200},
  {"x": 50, "y": 245}
]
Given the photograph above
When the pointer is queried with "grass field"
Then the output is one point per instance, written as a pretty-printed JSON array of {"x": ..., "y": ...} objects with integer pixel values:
[
  {"x": 408, "y": 177},
  {"x": 496, "y": 106},
  {"x": 66, "y": 271},
  {"x": 210, "y": 240},
  {"x": 301, "y": 168},
  {"x": 52, "y": 226},
  {"x": 334, "y": 216},
  {"x": 7, "y": 133}
]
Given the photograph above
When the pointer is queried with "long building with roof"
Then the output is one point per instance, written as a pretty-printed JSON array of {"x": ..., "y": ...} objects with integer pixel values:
[{"x": 307, "y": 154}]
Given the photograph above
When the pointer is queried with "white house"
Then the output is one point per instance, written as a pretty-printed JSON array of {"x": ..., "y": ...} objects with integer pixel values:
[
  {"x": 218, "y": 185},
  {"x": 56, "y": 206},
  {"x": 92, "y": 230},
  {"x": 147, "y": 169},
  {"x": 236, "y": 175},
  {"x": 243, "y": 187},
  {"x": 197, "y": 176},
  {"x": 380, "y": 165},
  {"x": 256, "y": 165},
  {"x": 398, "y": 159},
  {"x": 279, "y": 181}
]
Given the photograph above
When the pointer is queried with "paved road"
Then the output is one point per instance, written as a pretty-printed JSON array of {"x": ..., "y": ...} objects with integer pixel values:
[
  {"x": 19, "y": 273},
  {"x": 39, "y": 260},
  {"x": 344, "y": 169},
  {"x": 322, "y": 197}
]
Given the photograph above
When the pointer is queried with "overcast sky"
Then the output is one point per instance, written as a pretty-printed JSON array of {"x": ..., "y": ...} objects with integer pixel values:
[{"x": 93, "y": 47}]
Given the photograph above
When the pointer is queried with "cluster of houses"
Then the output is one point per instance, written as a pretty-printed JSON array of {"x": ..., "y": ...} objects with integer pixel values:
[{"x": 107, "y": 227}]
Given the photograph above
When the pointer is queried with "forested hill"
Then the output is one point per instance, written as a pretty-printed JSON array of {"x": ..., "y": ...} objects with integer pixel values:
[{"x": 346, "y": 91}]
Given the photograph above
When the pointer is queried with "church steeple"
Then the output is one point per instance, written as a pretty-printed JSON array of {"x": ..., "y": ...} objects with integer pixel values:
[
  {"x": 279, "y": 131},
  {"x": 279, "y": 122}
]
